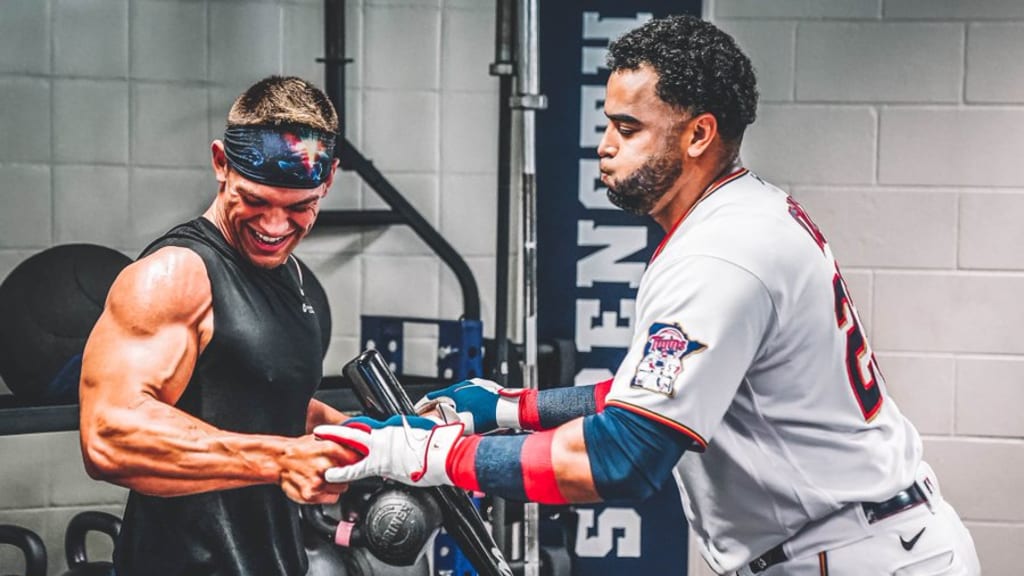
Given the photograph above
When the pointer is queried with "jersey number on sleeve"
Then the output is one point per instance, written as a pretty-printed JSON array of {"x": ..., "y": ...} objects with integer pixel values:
[{"x": 861, "y": 367}]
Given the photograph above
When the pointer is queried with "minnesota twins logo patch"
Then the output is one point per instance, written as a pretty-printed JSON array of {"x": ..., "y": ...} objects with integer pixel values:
[{"x": 667, "y": 346}]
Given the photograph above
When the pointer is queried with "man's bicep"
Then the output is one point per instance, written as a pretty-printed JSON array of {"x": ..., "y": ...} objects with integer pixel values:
[
  {"x": 151, "y": 330},
  {"x": 118, "y": 364}
]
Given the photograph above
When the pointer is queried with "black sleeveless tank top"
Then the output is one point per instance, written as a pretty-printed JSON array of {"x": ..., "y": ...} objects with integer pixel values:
[{"x": 256, "y": 375}]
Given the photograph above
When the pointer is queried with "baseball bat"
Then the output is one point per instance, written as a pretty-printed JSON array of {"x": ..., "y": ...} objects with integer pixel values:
[{"x": 382, "y": 396}]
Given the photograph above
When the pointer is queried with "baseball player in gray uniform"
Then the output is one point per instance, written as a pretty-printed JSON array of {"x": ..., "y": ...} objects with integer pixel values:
[{"x": 749, "y": 379}]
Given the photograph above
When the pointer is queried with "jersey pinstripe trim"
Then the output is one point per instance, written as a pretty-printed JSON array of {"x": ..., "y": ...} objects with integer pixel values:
[{"x": 697, "y": 438}]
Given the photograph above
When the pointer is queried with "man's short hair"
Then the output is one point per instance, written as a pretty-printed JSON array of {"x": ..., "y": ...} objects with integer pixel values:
[
  {"x": 700, "y": 69},
  {"x": 284, "y": 100}
]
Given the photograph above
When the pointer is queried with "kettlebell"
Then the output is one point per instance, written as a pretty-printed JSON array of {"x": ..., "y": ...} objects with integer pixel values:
[
  {"x": 394, "y": 523},
  {"x": 74, "y": 542},
  {"x": 398, "y": 523},
  {"x": 329, "y": 559},
  {"x": 31, "y": 546}
]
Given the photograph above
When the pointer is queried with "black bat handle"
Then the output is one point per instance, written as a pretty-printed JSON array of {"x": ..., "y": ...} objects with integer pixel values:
[
  {"x": 382, "y": 395},
  {"x": 377, "y": 386}
]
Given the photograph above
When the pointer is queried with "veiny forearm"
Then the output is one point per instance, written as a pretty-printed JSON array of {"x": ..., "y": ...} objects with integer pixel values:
[{"x": 158, "y": 449}]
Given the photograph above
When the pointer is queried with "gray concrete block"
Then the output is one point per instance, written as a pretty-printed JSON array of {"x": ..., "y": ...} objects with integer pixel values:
[
  {"x": 162, "y": 198},
  {"x": 246, "y": 43},
  {"x": 25, "y": 117},
  {"x": 169, "y": 126},
  {"x": 998, "y": 546},
  {"x": 990, "y": 392},
  {"x": 884, "y": 227},
  {"x": 924, "y": 389},
  {"x": 27, "y": 220},
  {"x": 400, "y": 286},
  {"x": 995, "y": 71},
  {"x": 169, "y": 41},
  {"x": 92, "y": 121},
  {"x": 402, "y": 48},
  {"x": 25, "y": 477},
  {"x": 990, "y": 224},
  {"x": 812, "y": 144},
  {"x": 469, "y": 123},
  {"x": 92, "y": 204},
  {"x": 954, "y": 9},
  {"x": 951, "y": 147},
  {"x": 879, "y": 62},
  {"x": 465, "y": 61},
  {"x": 979, "y": 477},
  {"x": 810, "y": 9},
  {"x": 90, "y": 38},
  {"x": 405, "y": 132},
  {"x": 770, "y": 45},
  {"x": 946, "y": 312},
  {"x": 25, "y": 37}
]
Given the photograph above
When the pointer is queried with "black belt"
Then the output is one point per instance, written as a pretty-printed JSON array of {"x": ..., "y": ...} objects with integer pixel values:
[
  {"x": 903, "y": 500},
  {"x": 873, "y": 511}
]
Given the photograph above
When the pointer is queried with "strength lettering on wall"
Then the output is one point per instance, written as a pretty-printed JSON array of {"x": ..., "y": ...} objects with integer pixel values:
[{"x": 591, "y": 256}]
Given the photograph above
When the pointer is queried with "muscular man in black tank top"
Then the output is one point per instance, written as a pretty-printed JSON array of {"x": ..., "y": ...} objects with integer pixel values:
[{"x": 198, "y": 379}]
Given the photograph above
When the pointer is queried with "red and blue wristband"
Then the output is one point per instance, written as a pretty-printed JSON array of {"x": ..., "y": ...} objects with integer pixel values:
[
  {"x": 494, "y": 465},
  {"x": 547, "y": 409}
]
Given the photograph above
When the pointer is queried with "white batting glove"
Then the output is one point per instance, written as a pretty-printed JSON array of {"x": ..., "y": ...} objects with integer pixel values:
[
  {"x": 480, "y": 405},
  {"x": 407, "y": 449}
]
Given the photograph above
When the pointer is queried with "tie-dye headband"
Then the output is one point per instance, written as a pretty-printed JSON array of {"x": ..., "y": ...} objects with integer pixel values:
[{"x": 280, "y": 156}]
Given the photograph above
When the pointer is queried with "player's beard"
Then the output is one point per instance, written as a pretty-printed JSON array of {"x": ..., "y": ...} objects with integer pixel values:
[{"x": 641, "y": 190}]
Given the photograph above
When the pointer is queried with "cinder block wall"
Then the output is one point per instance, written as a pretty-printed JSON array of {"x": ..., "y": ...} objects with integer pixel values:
[
  {"x": 107, "y": 109},
  {"x": 899, "y": 125}
]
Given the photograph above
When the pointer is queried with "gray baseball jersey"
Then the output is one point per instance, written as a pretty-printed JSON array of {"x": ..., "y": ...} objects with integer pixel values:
[{"x": 748, "y": 342}]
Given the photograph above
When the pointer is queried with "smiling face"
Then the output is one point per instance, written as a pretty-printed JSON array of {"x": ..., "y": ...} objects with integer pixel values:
[{"x": 264, "y": 223}]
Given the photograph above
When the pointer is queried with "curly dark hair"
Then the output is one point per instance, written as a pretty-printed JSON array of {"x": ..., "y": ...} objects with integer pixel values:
[{"x": 700, "y": 69}]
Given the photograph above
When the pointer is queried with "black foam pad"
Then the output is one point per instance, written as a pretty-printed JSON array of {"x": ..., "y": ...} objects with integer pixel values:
[{"x": 48, "y": 305}]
